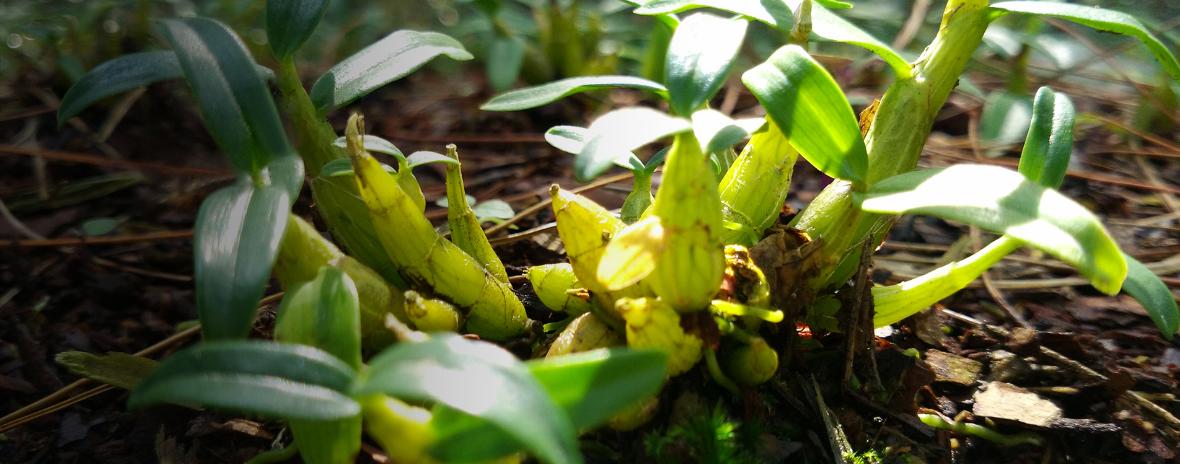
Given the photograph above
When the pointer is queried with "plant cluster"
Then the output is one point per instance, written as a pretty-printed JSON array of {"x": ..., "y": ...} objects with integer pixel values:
[{"x": 696, "y": 271}]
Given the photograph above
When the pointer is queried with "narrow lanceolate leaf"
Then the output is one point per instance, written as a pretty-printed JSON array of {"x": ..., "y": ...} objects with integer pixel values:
[
  {"x": 290, "y": 22},
  {"x": 615, "y": 134},
  {"x": 831, "y": 27},
  {"x": 479, "y": 379},
  {"x": 532, "y": 97},
  {"x": 590, "y": 387},
  {"x": 807, "y": 104},
  {"x": 700, "y": 56},
  {"x": 1103, "y": 20},
  {"x": 717, "y": 132},
  {"x": 572, "y": 139},
  {"x": 235, "y": 241},
  {"x": 1049, "y": 143},
  {"x": 117, "y": 76},
  {"x": 235, "y": 103},
  {"x": 1003, "y": 201},
  {"x": 702, "y": 52},
  {"x": 325, "y": 313},
  {"x": 274, "y": 380},
  {"x": 117, "y": 369},
  {"x": 1154, "y": 295},
  {"x": 773, "y": 13},
  {"x": 372, "y": 143},
  {"x": 385, "y": 61}
]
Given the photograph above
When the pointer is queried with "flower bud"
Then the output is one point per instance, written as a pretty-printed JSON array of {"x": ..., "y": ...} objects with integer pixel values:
[
  {"x": 752, "y": 363},
  {"x": 431, "y": 315},
  {"x": 584, "y": 333},
  {"x": 559, "y": 289},
  {"x": 651, "y": 323}
]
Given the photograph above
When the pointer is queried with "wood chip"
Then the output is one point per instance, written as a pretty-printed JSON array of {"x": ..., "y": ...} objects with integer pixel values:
[
  {"x": 952, "y": 368},
  {"x": 999, "y": 400}
]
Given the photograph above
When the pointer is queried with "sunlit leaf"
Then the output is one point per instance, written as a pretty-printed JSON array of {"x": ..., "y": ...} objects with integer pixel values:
[
  {"x": 717, "y": 132},
  {"x": 613, "y": 136},
  {"x": 532, "y": 97},
  {"x": 700, "y": 55},
  {"x": 290, "y": 22},
  {"x": 382, "y": 62},
  {"x": 117, "y": 76},
  {"x": 420, "y": 158},
  {"x": 571, "y": 139},
  {"x": 1154, "y": 295},
  {"x": 1049, "y": 143},
  {"x": 1003, "y": 201},
  {"x": 325, "y": 313},
  {"x": 831, "y": 27},
  {"x": 235, "y": 103},
  {"x": 807, "y": 104},
  {"x": 479, "y": 379},
  {"x": 374, "y": 144},
  {"x": 274, "y": 380},
  {"x": 1100, "y": 19},
  {"x": 774, "y": 13},
  {"x": 591, "y": 387}
]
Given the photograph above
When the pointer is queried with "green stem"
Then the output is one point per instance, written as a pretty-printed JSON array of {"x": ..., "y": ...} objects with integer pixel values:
[
  {"x": 896, "y": 302},
  {"x": 903, "y": 121},
  {"x": 313, "y": 135}
]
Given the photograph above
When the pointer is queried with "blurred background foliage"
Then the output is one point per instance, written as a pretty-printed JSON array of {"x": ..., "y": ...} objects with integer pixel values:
[{"x": 522, "y": 42}]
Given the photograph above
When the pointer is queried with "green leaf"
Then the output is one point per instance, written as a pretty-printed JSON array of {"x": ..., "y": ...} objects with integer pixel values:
[
  {"x": 700, "y": 55},
  {"x": 420, "y": 158},
  {"x": 504, "y": 60},
  {"x": 1100, "y": 19},
  {"x": 493, "y": 210},
  {"x": 774, "y": 13},
  {"x": 1049, "y": 143},
  {"x": 117, "y": 369},
  {"x": 572, "y": 139},
  {"x": 479, "y": 379},
  {"x": 1005, "y": 119},
  {"x": 532, "y": 97},
  {"x": 717, "y": 132},
  {"x": 1154, "y": 295},
  {"x": 117, "y": 76},
  {"x": 290, "y": 22},
  {"x": 385, "y": 61},
  {"x": 804, "y": 100},
  {"x": 275, "y": 380},
  {"x": 591, "y": 387},
  {"x": 831, "y": 27},
  {"x": 1003, "y": 201},
  {"x": 235, "y": 103},
  {"x": 327, "y": 442},
  {"x": 325, "y": 313},
  {"x": 343, "y": 167},
  {"x": 613, "y": 136},
  {"x": 235, "y": 242},
  {"x": 834, "y": 4},
  {"x": 374, "y": 144}
]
